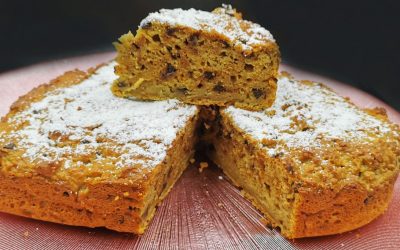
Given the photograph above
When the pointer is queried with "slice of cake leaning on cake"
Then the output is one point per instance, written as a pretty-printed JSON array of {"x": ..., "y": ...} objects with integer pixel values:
[
  {"x": 73, "y": 153},
  {"x": 199, "y": 57},
  {"x": 313, "y": 163}
]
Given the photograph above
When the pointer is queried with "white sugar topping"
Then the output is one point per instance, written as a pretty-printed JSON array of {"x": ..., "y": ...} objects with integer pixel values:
[
  {"x": 318, "y": 110},
  {"x": 241, "y": 32},
  {"x": 140, "y": 132}
]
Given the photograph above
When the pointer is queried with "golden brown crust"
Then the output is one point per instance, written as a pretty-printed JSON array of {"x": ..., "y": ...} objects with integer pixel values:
[{"x": 325, "y": 212}]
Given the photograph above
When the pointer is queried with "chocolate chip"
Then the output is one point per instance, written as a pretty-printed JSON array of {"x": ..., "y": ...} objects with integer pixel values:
[
  {"x": 366, "y": 201},
  {"x": 248, "y": 67},
  {"x": 192, "y": 40},
  {"x": 66, "y": 194},
  {"x": 258, "y": 93},
  {"x": 219, "y": 88},
  {"x": 169, "y": 70},
  {"x": 10, "y": 146},
  {"x": 121, "y": 84},
  {"x": 209, "y": 75},
  {"x": 35, "y": 112},
  {"x": 121, "y": 220},
  {"x": 134, "y": 46},
  {"x": 278, "y": 155},
  {"x": 290, "y": 169},
  {"x": 225, "y": 44},
  {"x": 171, "y": 31},
  {"x": 156, "y": 38},
  {"x": 146, "y": 25},
  {"x": 84, "y": 141}
]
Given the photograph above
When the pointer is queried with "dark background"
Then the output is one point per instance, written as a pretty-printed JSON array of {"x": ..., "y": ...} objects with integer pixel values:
[{"x": 357, "y": 42}]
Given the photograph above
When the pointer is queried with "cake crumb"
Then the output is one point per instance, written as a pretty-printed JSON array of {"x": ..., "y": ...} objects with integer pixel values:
[
  {"x": 192, "y": 160},
  {"x": 358, "y": 235},
  {"x": 203, "y": 165},
  {"x": 126, "y": 194},
  {"x": 26, "y": 234},
  {"x": 220, "y": 204},
  {"x": 220, "y": 177}
]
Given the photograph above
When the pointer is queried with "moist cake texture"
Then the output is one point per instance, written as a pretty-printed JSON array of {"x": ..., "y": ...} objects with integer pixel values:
[
  {"x": 313, "y": 163},
  {"x": 199, "y": 57},
  {"x": 73, "y": 153}
]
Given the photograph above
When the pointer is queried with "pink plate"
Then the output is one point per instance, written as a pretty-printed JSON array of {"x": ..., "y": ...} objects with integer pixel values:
[{"x": 203, "y": 210}]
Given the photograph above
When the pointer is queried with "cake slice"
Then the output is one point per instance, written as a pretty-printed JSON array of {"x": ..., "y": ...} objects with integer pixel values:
[
  {"x": 313, "y": 163},
  {"x": 73, "y": 153},
  {"x": 203, "y": 58}
]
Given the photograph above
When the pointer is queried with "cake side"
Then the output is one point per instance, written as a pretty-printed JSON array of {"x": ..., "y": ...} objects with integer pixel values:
[
  {"x": 203, "y": 58},
  {"x": 72, "y": 153},
  {"x": 313, "y": 163}
]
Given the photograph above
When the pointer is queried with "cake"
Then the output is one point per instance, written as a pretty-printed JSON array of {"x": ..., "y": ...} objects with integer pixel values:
[
  {"x": 199, "y": 57},
  {"x": 73, "y": 153},
  {"x": 313, "y": 163}
]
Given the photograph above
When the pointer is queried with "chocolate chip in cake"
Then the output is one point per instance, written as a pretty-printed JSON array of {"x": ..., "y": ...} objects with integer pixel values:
[
  {"x": 209, "y": 75},
  {"x": 84, "y": 141},
  {"x": 66, "y": 194},
  {"x": 248, "y": 67},
  {"x": 135, "y": 46},
  {"x": 35, "y": 112},
  {"x": 9, "y": 146},
  {"x": 170, "y": 70},
  {"x": 121, "y": 220},
  {"x": 258, "y": 92},
  {"x": 219, "y": 88},
  {"x": 290, "y": 169},
  {"x": 156, "y": 38},
  {"x": 121, "y": 84},
  {"x": 192, "y": 40},
  {"x": 146, "y": 25},
  {"x": 225, "y": 44},
  {"x": 171, "y": 31}
]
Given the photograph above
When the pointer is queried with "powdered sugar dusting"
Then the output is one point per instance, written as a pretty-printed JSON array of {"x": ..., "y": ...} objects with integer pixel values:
[
  {"x": 303, "y": 115},
  {"x": 243, "y": 33},
  {"x": 87, "y": 119}
]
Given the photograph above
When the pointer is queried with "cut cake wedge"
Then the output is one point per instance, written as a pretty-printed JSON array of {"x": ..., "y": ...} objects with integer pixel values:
[{"x": 73, "y": 153}]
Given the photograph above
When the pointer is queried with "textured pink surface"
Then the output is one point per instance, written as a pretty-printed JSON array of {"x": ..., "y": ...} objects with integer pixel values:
[{"x": 202, "y": 211}]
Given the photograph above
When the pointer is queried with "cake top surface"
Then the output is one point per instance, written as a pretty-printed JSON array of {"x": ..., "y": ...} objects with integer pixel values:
[
  {"x": 85, "y": 124},
  {"x": 223, "y": 20},
  {"x": 305, "y": 115}
]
